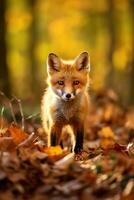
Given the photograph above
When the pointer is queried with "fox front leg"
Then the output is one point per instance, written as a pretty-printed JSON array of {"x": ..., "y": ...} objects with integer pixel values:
[
  {"x": 79, "y": 137},
  {"x": 55, "y": 136}
]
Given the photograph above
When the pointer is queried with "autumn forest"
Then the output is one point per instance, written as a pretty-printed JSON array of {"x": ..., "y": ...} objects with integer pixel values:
[{"x": 43, "y": 164}]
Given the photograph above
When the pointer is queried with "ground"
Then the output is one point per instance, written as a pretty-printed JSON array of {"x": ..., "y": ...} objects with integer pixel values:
[{"x": 103, "y": 170}]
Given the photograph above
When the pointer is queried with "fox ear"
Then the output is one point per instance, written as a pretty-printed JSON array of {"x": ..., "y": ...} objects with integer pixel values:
[
  {"x": 53, "y": 63},
  {"x": 82, "y": 62}
]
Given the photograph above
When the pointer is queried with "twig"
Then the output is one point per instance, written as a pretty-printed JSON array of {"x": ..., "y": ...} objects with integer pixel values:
[
  {"x": 2, "y": 111},
  {"x": 32, "y": 116},
  {"x": 10, "y": 106},
  {"x": 1, "y": 124},
  {"x": 12, "y": 112},
  {"x": 2, "y": 94},
  {"x": 21, "y": 113},
  {"x": 28, "y": 141}
]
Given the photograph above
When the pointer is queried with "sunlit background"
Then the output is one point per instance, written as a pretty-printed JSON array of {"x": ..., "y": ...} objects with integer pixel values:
[{"x": 31, "y": 29}]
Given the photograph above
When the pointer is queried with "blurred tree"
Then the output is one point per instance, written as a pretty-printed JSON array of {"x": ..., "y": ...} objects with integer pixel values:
[
  {"x": 131, "y": 99},
  {"x": 35, "y": 83},
  {"x": 111, "y": 33},
  {"x": 4, "y": 74},
  {"x": 32, "y": 46},
  {"x": 36, "y": 27}
]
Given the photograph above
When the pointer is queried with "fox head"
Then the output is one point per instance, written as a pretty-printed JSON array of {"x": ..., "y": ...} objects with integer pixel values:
[{"x": 68, "y": 79}]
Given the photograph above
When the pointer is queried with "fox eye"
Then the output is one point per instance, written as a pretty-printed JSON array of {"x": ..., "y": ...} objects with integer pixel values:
[
  {"x": 60, "y": 82},
  {"x": 76, "y": 82}
]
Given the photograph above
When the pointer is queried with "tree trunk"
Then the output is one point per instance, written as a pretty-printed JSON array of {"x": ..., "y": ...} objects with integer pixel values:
[
  {"x": 35, "y": 83},
  {"x": 131, "y": 64},
  {"x": 111, "y": 32},
  {"x": 4, "y": 73}
]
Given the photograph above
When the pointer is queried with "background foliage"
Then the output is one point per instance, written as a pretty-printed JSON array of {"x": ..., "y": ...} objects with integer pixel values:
[{"x": 30, "y": 29}]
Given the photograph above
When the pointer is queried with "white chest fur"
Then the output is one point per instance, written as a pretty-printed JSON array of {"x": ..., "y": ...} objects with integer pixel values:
[{"x": 69, "y": 109}]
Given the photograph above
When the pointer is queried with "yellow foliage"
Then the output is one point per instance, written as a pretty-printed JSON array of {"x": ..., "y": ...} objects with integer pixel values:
[
  {"x": 18, "y": 20},
  {"x": 66, "y": 27},
  {"x": 120, "y": 58}
]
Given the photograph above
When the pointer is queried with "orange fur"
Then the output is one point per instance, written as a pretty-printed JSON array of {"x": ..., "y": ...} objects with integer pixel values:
[{"x": 66, "y": 77}]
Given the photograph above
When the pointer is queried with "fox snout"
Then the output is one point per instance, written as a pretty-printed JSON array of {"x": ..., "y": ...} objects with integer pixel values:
[
  {"x": 65, "y": 95},
  {"x": 68, "y": 96}
]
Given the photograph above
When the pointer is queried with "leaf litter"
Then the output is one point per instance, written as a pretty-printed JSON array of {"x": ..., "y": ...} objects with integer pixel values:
[{"x": 103, "y": 170}]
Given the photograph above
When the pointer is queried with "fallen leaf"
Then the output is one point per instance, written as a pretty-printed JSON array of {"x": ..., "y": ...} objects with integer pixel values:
[
  {"x": 28, "y": 141},
  {"x": 130, "y": 149},
  {"x": 17, "y": 134},
  {"x": 3, "y": 126},
  {"x": 90, "y": 177},
  {"x": 65, "y": 161},
  {"x": 106, "y": 132},
  {"x": 7, "y": 144},
  {"x": 107, "y": 143},
  {"x": 52, "y": 151},
  {"x": 71, "y": 186},
  {"x": 130, "y": 119},
  {"x": 108, "y": 113},
  {"x": 128, "y": 188}
]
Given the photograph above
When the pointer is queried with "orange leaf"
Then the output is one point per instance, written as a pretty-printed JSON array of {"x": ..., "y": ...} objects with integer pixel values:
[
  {"x": 107, "y": 144},
  {"x": 53, "y": 151},
  {"x": 17, "y": 134},
  {"x": 106, "y": 132},
  {"x": 7, "y": 144}
]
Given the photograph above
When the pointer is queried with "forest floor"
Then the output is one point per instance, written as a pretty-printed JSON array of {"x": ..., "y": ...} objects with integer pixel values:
[{"x": 104, "y": 170}]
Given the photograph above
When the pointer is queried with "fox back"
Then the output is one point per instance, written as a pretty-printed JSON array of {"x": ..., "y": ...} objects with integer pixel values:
[{"x": 66, "y": 100}]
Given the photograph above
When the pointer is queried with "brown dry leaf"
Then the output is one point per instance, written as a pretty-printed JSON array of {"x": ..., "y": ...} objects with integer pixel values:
[
  {"x": 106, "y": 143},
  {"x": 7, "y": 195},
  {"x": 108, "y": 113},
  {"x": 128, "y": 197},
  {"x": 65, "y": 161},
  {"x": 70, "y": 186},
  {"x": 16, "y": 176},
  {"x": 130, "y": 149},
  {"x": 28, "y": 142},
  {"x": 130, "y": 119},
  {"x": 89, "y": 177},
  {"x": 17, "y": 133},
  {"x": 106, "y": 132},
  {"x": 7, "y": 144},
  {"x": 3, "y": 126}
]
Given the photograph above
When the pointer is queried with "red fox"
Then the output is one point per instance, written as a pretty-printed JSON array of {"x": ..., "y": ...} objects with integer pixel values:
[{"x": 66, "y": 100}]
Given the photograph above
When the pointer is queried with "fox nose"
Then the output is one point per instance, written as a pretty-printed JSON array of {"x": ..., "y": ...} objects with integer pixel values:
[{"x": 68, "y": 95}]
